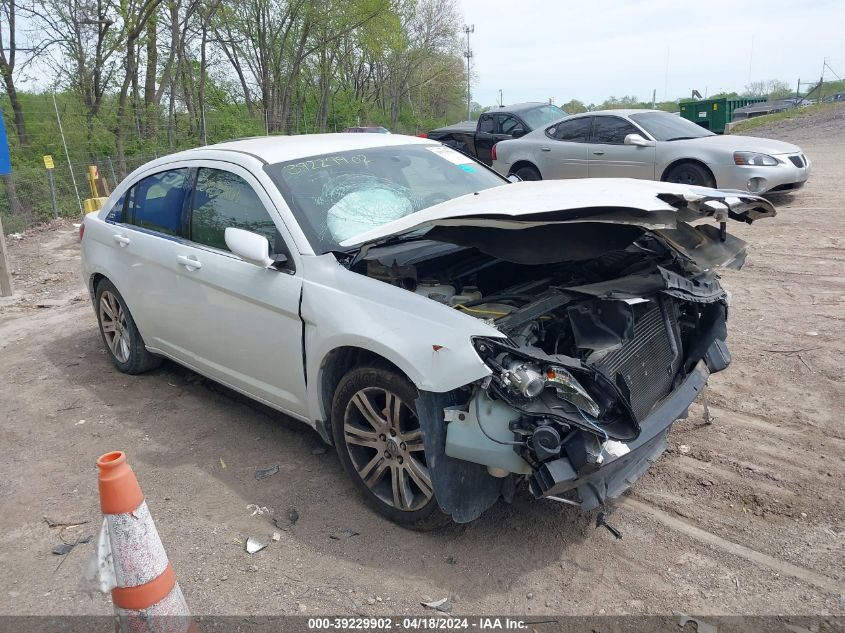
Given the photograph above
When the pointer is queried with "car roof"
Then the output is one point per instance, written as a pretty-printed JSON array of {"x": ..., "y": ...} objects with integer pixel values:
[
  {"x": 520, "y": 107},
  {"x": 277, "y": 149},
  {"x": 621, "y": 112}
]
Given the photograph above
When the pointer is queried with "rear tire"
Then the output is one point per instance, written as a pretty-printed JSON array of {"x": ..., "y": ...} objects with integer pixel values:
[
  {"x": 526, "y": 172},
  {"x": 380, "y": 445},
  {"x": 120, "y": 334},
  {"x": 691, "y": 174}
]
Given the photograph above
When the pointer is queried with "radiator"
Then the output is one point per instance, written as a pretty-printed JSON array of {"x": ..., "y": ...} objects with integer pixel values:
[{"x": 649, "y": 361}]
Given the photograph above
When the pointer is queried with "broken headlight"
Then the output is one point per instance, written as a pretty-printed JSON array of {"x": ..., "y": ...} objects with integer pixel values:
[{"x": 569, "y": 389}]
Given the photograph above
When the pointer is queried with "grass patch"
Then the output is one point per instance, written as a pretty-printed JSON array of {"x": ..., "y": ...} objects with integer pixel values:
[{"x": 795, "y": 113}]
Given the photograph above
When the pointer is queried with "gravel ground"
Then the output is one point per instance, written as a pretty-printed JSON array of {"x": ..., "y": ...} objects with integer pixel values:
[{"x": 741, "y": 516}]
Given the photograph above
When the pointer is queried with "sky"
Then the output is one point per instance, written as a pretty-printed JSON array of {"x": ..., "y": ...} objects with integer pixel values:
[{"x": 534, "y": 50}]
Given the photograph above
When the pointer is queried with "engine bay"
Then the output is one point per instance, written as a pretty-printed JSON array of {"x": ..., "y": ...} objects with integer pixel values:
[{"x": 592, "y": 346}]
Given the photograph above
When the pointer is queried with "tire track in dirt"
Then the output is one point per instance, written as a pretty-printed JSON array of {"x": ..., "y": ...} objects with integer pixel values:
[{"x": 713, "y": 540}]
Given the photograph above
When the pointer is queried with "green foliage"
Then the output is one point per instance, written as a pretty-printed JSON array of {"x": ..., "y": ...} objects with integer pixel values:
[
  {"x": 794, "y": 113},
  {"x": 573, "y": 106}
]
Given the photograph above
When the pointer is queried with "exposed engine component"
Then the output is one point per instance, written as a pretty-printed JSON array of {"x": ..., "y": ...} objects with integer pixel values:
[
  {"x": 470, "y": 294},
  {"x": 590, "y": 348},
  {"x": 486, "y": 311},
  {"x": 523, "y": 378},
  {"x": 433, "y": 289},
  {"x": 402, "y": 276},
  {"x": 545, "y": 442}
]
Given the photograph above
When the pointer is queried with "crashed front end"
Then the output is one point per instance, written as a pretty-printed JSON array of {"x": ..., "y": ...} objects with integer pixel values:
[
  {"x": 612, "y": 319},
  {"x": 581, "y": 401}
]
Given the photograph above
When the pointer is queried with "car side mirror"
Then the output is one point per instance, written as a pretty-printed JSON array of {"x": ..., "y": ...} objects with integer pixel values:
[
  {"x": 638, "y": 140},
  {"x": 518, "y": 132},
  {"x": 250, "y": 247}
]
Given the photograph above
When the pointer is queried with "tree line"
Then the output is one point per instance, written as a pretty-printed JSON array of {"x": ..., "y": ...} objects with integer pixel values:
[{"x": 148, "y": 76}]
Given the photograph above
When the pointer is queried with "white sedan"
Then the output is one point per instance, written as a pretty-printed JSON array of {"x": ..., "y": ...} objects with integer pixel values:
[
  {"x": 652, "y": 145},
  {"x": 450, "y": 333}
]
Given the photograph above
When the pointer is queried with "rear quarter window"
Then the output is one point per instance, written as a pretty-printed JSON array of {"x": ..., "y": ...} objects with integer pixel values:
[{"x": 116, "y": 212}]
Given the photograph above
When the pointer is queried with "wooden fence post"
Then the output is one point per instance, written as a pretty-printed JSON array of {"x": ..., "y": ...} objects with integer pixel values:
[{"x": 6, "y": 288}]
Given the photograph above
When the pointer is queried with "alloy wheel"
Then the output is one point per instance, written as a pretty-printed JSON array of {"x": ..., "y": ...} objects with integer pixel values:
[
  {"x": 115, "y": 328},
  {"x": 385, "y": 444}
]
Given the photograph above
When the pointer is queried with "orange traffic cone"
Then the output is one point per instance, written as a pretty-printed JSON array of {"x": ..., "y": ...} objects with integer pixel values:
[{"x": 130, "y": 560}]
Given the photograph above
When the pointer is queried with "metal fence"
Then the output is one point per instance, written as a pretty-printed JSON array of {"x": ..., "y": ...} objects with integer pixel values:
[{"x": 26, "y": 198}]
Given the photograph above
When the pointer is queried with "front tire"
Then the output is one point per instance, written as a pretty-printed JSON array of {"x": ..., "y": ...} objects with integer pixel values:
[
  {"x": 691, "y": 174},
  {"x": 380, "y": 444},
  {"x": 120, "y": 334}
]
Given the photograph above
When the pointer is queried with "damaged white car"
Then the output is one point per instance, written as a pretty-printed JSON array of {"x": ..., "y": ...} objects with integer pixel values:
[{"x": 451, "y": 333}]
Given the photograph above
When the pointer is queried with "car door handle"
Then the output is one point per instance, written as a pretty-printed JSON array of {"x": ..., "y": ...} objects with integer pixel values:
[
  {"x": 545, "y": 149},
  {"x": 598, "y": 153},
  {"x": 121, "y": 239},
  {"x": 189, "y": 262}
]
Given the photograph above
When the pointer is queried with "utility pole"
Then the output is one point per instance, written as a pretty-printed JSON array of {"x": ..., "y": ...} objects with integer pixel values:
[
  {"x": 821, "y": 81},
  {"x": 501, "y": 99},
  {"x": 468, "y": 28}
]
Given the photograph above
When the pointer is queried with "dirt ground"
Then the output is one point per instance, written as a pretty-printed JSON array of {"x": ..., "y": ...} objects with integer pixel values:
[{"x": 741, "y": 516}]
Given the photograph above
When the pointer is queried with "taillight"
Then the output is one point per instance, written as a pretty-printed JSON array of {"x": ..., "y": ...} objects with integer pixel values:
[
  {"x": 81, "y": 229},
  {"x": 494, "y": 151}
]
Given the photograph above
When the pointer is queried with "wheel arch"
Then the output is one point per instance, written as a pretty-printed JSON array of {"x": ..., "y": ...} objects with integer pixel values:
[
  {"x": 681, "y": 161},
  {"x": 522, "y": 162},
  {"x": 94, "y": 281},
  {"x": 334, "y": 366}
]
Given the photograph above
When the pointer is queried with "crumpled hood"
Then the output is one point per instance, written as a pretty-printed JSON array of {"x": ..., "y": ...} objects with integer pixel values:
[
  {"x": 649, "y": 204},
  {"x": 731, "y": 143}
]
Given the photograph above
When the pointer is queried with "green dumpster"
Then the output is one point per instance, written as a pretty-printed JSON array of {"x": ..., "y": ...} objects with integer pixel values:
[{"x": 715, "y": 114}]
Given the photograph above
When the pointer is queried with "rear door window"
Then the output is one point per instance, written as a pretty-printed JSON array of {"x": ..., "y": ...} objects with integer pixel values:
[
  {"x": 223, "y": 199},
  {"x": 509, "y": 124},
  {"x": 573, "y": 131},
  {"x": 157, "y": 201},
  {"x": 611, "y": 130},
  {"x": 486, "y": 123}
]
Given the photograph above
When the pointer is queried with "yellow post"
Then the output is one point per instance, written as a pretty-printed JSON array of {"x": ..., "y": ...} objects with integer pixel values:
[{"x": 93, "y": 174}]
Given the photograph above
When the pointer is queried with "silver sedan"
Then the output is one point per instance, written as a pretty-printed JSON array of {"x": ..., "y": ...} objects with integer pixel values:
[{"x": 652, "y": 145}]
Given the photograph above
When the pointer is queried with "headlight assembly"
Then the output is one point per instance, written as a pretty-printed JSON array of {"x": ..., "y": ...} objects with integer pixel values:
[
  {"x": 755, "y": 159},
  {"x": 528, "y": 379},
  {"x": 569, "y": 389}
]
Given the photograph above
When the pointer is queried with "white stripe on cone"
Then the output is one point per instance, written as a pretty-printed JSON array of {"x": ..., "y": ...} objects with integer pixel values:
[
  {"x": 129, "y": 553},
  {"x": 138, "y": 554}
]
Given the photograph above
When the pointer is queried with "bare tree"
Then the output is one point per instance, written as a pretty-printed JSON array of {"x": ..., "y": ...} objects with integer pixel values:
[
  {"x": 7, "y": 65},
  {"x": 135, "y": 15}
]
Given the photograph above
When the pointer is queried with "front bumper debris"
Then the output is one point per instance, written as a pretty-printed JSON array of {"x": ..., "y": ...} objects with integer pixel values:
[{"x": 614, "y": 477}]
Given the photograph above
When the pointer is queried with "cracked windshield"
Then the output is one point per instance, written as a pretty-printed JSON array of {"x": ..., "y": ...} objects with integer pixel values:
[{"x": 338, "y": 196}]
